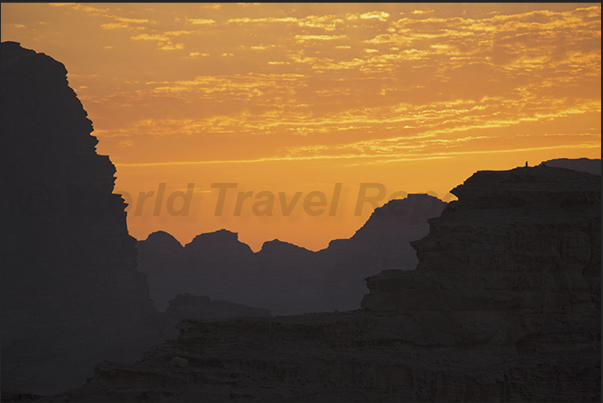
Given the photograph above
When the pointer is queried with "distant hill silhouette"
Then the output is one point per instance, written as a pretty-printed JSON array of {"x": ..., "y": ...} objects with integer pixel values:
[
  {"x": 282, "y": 277},
  {"x": 592, "y": 166}
]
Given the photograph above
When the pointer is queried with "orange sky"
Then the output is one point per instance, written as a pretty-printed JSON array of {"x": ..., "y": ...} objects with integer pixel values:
[{"x": 298, "y": 97}]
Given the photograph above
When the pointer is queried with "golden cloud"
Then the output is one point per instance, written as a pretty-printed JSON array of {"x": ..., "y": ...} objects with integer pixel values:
[
  {"x": 177, "y": 33},
  {"x": 170, "y": 46},
  {"x": 247, "y": 20},
  {"x": 114, "y": 25},
  {"x": 150, "y": 37},
  {"x": 132, "y": 20},
  {"x": 200, "y": 21},
  {"x": 305, "y": 38},
  {"x": 380, "y": 15}
]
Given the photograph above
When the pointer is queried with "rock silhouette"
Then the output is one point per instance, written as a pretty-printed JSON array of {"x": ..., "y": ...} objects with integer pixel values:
[
  {"x": 70, "y": 293},
  {"x": 504, "y": 306},
  {"x": 282, "y": 277}
]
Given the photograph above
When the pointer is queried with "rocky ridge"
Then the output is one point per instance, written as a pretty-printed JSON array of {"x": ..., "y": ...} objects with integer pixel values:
[{"x": 503, "y": 306}]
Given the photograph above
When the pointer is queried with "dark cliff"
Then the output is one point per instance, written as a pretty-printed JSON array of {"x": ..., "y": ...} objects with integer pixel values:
[
  {"x": 71, "y": 295},
  {"x": 515, "y": 261}
]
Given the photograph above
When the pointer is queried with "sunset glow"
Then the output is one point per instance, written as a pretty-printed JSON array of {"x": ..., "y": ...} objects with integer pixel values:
[{"x": 300, "y": 97}]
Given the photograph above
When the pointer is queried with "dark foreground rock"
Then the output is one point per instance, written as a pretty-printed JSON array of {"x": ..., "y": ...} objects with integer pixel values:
[
  {"x": 353, "y": 357},
  {"x": 503, "y": 306},
  {"x": 516, "y": 261}
]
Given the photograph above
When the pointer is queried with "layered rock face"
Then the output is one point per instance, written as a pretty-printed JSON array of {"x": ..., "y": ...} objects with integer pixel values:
[
  {"x": 70, "y": 292},
  {"x": 282, "y": 277},
  {"x": 518, "y": 256},
  {"x": 503, "y": 306},
  {"x": 345, "y": 357}
]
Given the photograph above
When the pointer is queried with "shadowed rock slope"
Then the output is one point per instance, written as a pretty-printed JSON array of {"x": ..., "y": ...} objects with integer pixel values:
[
  {"x": 503, "y": 306},
  {"x": 188, "y": 306},
  {"x": 383, "y": 242},
  {"x": 70, "y": 293}
]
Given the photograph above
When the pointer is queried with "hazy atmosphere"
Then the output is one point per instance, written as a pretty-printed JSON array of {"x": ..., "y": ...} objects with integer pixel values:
[{"x": 299, "y": 97}]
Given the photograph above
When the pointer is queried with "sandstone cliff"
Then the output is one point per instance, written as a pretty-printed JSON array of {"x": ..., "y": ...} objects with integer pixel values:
[
  {"x": 503, "y": 306},
  {"x": 70, "y": 293}
]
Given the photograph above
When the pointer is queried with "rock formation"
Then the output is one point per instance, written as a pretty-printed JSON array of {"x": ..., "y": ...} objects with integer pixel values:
[
  {"x": 218, "y": 265},
  {"x": 70, "y": 293},
  {"x": 503, "y": 306},
  {"x": 283, "y": 277},
  {"x": 592, "y": 166}
]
